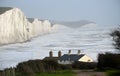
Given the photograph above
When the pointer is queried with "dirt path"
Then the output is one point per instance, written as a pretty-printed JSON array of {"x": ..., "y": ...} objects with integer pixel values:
[{"x": 89, "y": 73}]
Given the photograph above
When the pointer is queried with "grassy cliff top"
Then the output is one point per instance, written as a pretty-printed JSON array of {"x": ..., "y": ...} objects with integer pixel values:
[
  {"x": 4, "y": 9},
  {"x": 30, "y": 20}
]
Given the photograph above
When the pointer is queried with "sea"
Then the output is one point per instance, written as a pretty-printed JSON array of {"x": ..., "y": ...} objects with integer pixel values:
[{"x": 91, "y": 40}]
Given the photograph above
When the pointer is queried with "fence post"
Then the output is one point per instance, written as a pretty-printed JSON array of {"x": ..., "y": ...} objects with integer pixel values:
[
  {"x": 13, "y": 71},
  {"x": 7, "y": 72},
  {"x": 0, "y": 73},
  {"x": 3, "y": 72}
]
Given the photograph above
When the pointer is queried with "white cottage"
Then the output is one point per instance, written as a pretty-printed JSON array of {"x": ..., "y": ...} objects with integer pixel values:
[{"x": 71, "y": 58}]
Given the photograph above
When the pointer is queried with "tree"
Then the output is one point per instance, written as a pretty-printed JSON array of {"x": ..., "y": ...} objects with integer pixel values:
[{"x": 116, "y": 37}]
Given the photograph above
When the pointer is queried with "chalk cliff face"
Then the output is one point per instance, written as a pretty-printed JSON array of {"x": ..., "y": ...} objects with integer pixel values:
[
  {"x": 39, "y": 27},
  {"x": 46, "y": 25},
  {"x": 15, "y": 27}
]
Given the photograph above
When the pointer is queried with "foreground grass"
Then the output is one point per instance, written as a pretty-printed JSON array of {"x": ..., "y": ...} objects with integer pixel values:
[
  {"x": 113, "y": 73},
  {"x": 57, "y": 73}
]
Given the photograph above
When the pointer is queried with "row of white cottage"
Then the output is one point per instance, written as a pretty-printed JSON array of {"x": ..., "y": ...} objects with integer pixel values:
[{"x": 69, "y": 58}]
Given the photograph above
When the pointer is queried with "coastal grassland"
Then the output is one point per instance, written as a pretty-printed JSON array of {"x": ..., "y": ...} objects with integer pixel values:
[{"x": 57, "y": 73}]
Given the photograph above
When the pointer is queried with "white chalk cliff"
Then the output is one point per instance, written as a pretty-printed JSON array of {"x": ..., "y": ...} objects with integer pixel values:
[
  {"x": 39, "y": 27},
  {"x": 15, "y": 27}
]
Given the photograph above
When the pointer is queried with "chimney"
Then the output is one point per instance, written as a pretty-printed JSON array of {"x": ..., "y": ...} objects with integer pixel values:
[
  {"x": 78, "y": 52},
  {"x": 69, "y": 52},
  {"x": 59, "y": 54},
  {"x": 51, "y": 54}
]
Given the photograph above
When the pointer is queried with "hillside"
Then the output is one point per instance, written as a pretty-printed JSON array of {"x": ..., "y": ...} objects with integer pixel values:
[{"x": 74, "y": 24}]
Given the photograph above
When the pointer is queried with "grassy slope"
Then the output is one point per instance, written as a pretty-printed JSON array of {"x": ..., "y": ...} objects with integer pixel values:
[{"x": 58, "y": 73}]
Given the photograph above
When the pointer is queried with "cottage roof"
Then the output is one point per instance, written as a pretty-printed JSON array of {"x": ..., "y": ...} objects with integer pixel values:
[{"x": 72, "y": 57}]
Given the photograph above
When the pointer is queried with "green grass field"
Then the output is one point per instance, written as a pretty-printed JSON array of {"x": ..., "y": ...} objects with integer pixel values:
[{"x": 57, "y": 73}]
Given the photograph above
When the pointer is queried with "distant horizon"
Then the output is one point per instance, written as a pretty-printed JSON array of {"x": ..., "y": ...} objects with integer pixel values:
[{"x": 102, "y": 12}]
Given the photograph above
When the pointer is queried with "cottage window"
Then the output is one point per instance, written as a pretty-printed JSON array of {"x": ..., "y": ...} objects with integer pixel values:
[{"x": 89, "y": 60}]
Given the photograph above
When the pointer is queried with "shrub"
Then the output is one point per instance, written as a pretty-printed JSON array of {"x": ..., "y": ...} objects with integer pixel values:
[
  {"x": 31, "y": 67},
  {"x": 66, "y": 67},
  {"x": 108, "y": 61},
  {"x": 24, "y": 70},
  {"x": 84, "y": 65}
]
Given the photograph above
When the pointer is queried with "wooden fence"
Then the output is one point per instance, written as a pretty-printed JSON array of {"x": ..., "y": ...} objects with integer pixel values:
[{"x": 8, "y": 72}]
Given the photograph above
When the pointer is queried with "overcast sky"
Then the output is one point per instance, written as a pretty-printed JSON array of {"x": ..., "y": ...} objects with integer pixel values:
[{"x": 103, "y": 12}]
